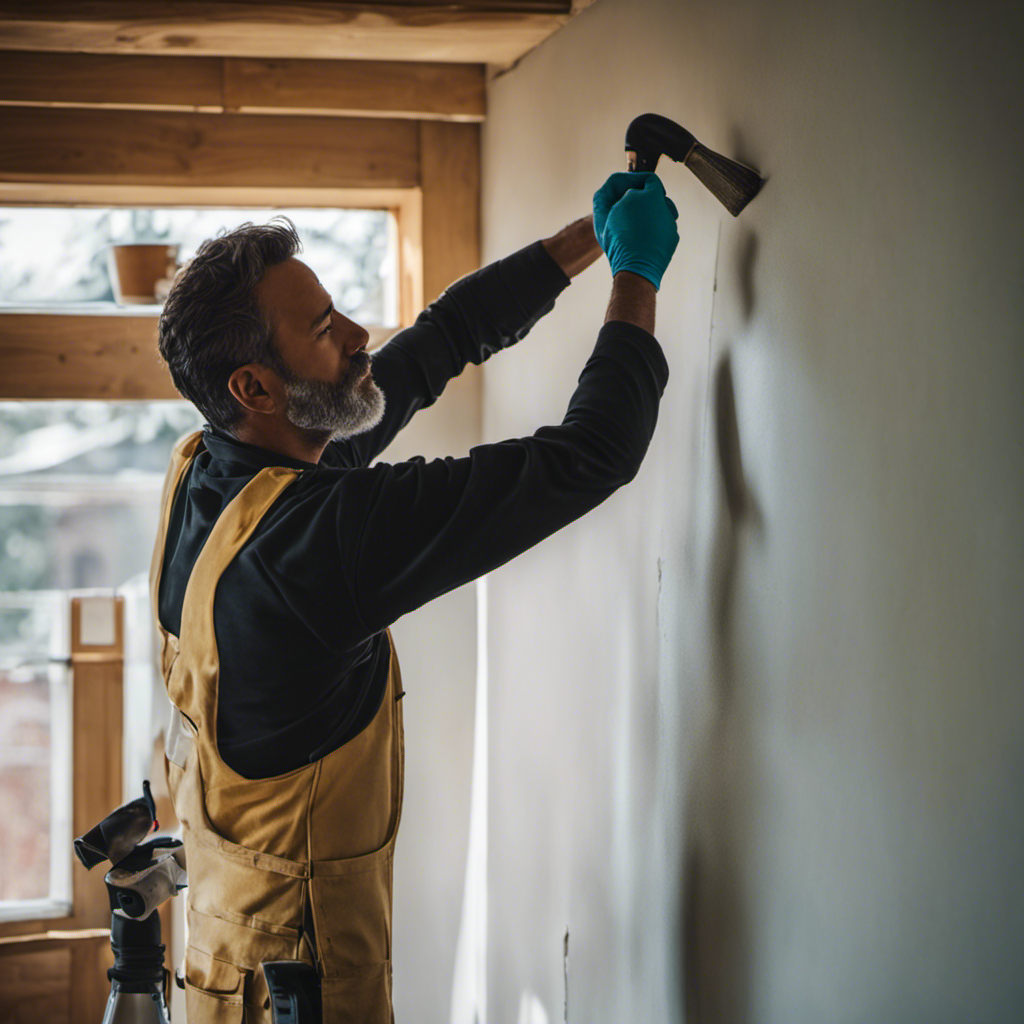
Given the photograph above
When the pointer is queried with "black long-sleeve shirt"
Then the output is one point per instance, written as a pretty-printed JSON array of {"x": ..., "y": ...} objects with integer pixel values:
[{"x": 348, "y": 548}]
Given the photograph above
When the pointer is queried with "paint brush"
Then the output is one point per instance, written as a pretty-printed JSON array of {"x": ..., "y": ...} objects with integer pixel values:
[{"x": 650, "y": 135}]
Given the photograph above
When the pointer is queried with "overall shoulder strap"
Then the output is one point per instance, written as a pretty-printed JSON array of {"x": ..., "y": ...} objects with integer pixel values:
[
  {"x": 181, "y": 458},
  {"x": 193, "y": 687}
]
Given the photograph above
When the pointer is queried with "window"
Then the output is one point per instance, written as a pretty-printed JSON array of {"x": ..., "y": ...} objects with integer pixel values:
[
  {"x": 62, "y": 256},
  {"x": 35, "y": 755},
  {"x": 80, "y": 486}
]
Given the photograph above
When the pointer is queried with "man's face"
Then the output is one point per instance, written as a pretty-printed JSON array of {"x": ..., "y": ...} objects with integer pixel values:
[{"x": 326, "y": 372}]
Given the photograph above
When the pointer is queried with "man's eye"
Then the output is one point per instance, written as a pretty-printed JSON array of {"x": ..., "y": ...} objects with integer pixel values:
[{"x": 324, "y": 331}]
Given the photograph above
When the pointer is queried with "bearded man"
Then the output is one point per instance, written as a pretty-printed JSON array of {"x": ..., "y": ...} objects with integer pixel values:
[{"x": 284, "y": 556}]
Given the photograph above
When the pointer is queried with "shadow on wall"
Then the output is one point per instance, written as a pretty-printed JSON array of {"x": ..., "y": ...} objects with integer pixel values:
[{"x": 716, "y": 947}]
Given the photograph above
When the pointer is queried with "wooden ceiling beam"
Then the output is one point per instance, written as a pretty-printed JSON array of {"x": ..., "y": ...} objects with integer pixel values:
[
  {"x": 418, "y": 90},
  {"x": 422, "y": 90},
  {"x": 158, "y": 148},
  {"x": 104, "y": 80},
  {"x": 461, "y": 33}
]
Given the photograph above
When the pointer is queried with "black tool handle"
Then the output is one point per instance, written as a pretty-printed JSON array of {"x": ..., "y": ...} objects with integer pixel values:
[
  {"x": 641, "y": 161},
  {"x": 650, "y": 135},
  {"x": 294, "y": 988}
]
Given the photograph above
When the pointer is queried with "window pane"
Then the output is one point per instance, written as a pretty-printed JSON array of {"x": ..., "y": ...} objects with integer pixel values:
[
  {"x": 79, "y": 489},
  {"x": 59, "y": 255},
  {"x": 25, "y": 781},
  {"x": 35, "y": 744}
]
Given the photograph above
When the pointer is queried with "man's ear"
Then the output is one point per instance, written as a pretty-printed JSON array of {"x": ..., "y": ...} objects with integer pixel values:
[{"x": 257, "y": 388}]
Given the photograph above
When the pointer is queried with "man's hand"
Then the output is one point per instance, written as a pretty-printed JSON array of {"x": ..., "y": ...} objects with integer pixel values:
[
  {"x": 640, "y": 233},
  {"x": 610, "y": 193},
  {"x": 575, "y": 247}
]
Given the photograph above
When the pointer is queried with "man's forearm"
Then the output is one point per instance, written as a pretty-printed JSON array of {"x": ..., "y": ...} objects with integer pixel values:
[
  {"x": 633, "y": 300},
  {"x": 575, "y": 247},
  {"x": 633, "y": 297}
]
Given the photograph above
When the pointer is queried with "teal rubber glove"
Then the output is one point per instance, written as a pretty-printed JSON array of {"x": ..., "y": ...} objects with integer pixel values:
[
  {"x": 639, "y": 231},
  {"x": 610, "y": 193}
]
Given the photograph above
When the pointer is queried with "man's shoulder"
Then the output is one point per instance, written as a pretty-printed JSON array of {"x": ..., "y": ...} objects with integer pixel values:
[{"x": 328, "y": 492}]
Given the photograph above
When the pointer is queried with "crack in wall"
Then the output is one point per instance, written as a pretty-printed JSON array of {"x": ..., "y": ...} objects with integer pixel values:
[
  {"x": 565, "y": 973},
  {"x": 711, "y": 333}
]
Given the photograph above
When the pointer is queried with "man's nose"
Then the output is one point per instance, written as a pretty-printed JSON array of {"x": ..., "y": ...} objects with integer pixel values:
[
  {"x": 363, "y": 340},
  {"x": 357, "y": 338}
]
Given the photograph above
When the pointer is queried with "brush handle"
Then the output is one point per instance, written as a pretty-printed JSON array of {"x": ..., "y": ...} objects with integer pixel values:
[{"x": 639, "y": 161}]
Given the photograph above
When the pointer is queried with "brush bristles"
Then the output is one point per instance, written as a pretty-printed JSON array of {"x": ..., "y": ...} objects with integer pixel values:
[{"x": 732, "y": 184}]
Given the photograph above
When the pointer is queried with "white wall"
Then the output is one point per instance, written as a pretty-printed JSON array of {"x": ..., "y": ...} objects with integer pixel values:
[
  {"x": 437, "y": 653},
  {"x": 763, "y": 760}
]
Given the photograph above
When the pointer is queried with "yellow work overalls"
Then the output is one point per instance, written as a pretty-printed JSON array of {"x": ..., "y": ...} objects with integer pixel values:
[{"x": 266, "y": 856}]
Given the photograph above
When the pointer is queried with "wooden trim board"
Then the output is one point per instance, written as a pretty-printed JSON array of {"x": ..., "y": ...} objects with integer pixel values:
[
  {"x": 56, "y": 977},
  {"x": 419, "y": 90},
  {"x": 135, "y": 147},
  {"x": 450, "y": 175}
]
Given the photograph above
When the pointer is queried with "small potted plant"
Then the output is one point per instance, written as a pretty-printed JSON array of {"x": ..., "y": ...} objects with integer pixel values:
[{"x": 141, "y": 271}]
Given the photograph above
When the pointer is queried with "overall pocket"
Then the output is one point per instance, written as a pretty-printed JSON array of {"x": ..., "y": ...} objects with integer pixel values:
[
  {"x": 214, "y": 989},
  {"x": 358, "y": 996}
]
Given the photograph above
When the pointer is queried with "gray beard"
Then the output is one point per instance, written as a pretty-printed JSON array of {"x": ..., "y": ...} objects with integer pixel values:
[{"x": 335, "y": 411}]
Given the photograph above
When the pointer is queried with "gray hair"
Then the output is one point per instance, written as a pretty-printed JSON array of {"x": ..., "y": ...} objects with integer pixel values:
[{"x": 211, "y": 323}]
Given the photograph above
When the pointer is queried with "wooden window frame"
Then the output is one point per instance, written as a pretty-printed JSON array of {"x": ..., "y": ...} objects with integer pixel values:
[
  {"x": 426, "y": 171},
  {"x": 48, "y": 354},
  {"x": 111, "y": 355}
]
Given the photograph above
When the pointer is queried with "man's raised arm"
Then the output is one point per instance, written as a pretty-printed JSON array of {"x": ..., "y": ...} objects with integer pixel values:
[
  {"x": 485, "y": 311},
  {"x": 415, "y": 530},
  {"x": 576, "y": 247}
]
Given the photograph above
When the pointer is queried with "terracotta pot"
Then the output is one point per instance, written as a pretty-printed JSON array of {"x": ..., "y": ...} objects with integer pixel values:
[{"x": 136, "y": 269}]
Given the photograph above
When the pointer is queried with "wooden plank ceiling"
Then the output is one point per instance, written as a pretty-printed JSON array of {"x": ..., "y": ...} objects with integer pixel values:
[{"x": 418, "y": 60}]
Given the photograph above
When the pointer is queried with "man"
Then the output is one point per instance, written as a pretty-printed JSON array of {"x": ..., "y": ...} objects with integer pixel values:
[{"x": 283, "y": 558}]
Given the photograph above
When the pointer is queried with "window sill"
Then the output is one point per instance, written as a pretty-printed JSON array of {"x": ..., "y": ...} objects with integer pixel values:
[
  {"x": 33, "y": 910},
  {"x": 81, "y": 309}
]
